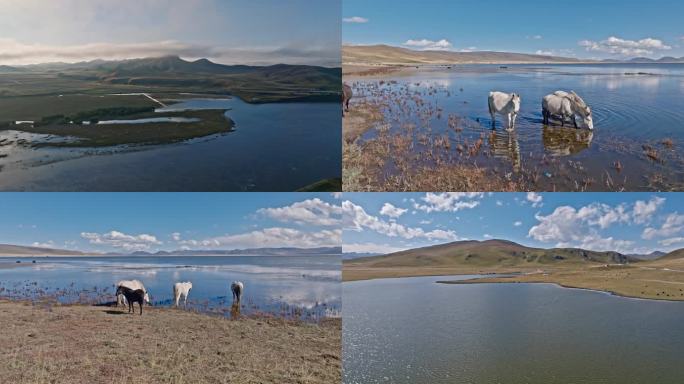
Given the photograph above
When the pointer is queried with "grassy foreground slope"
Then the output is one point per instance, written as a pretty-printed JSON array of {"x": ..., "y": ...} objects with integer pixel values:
[{"x": 84, "y": 344}]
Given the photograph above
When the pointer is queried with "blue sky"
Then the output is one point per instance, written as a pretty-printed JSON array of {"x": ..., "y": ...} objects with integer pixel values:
[
  {"x": 581, "y": 28},
  {"x": 125, "y": 222},
  {"x": 226, "y": 31},
  {"x": 624, "y": 222}
]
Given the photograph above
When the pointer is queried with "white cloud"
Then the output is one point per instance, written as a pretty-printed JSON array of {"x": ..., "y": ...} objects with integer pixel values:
[
  {"x": 535, "y": 199},
  {"x": 271, "y": 237},
  {"x": 118, "y": 239},
  {"x": 13, "y": 52},
  {"x": 644, "y": 210},
  {"x": 429, "y": 45},
  {"x": 355, "y": 20},
  {"x": 355, "y": 218},
  {"x": 499, "y": 203},
  {"x": 617, "y": 46},
  {"x": 313, "y": 211},
  {"x": 671, "y": 241},
  {"x": 487, "y": 236},
  {"x": 48, "y": 244},
  {"x": 448, "y": 201},
  {"x": 370, "y": 248},
  {"x": 392, "y": 211},
  {"x": 673, "y": 225},
  {"x": 570, "y": 227},
  {"x": 535, "y": 37},
  {"x": 176, "y": 236},
  {"x": 337, "y": 195},
  {"x": 517, "y": 223},
  {"x": 544, "y": 53}
]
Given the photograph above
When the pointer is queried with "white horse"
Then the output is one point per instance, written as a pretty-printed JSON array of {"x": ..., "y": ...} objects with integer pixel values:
[
  {"x": 182, "y": 289},
  {"x": 130, "y": 284},
  {"x": 505, "y": 104},
  {"x": 237, "y": 287},
  {"x": 564, "y": 105}
]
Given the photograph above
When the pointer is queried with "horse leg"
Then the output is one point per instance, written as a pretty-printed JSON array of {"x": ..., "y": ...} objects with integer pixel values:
[
  {"x": 493, "y": 120},
  {"x": 140, "y": 303},
  {"x": 574, "y": 121}
]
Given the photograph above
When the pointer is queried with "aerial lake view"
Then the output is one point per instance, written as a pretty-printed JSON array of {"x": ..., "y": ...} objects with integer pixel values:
[
  {"x": 303, "y": 287},
  {"x": 414, "y": 330},
  {"x": 434, "y": 121},
  {"x": 168, "y": 124}
]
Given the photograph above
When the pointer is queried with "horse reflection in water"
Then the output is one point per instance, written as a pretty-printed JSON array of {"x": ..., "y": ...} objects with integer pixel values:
[
  {"x": 566, "y": 141},
  {"x": 504, "y": 144}
]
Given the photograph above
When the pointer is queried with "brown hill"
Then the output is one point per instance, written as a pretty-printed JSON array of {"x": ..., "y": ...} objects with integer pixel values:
[
  {"x": 488, "y": 253},
  {"x": 385, "y": 54}
]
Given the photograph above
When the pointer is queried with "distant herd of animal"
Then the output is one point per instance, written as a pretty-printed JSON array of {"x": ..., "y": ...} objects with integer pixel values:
[
  {"x": 133, "y": 291},
  {"x": 560, "y": 105}
]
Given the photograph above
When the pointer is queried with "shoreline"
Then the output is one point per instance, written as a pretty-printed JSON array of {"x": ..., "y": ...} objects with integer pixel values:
[
  {"x": 607, "y": 292},
  {"x": 64, "y": 342},
  {"x": 631, "y": 282}
]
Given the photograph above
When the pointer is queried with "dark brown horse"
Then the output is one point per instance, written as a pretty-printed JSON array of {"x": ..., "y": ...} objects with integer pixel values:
[
  {"x": 132, "y": 296},
  {"x": 346, "y": 96}
]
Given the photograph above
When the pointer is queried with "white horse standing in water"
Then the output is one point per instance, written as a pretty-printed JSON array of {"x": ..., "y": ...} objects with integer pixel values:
[
  {"x": 182, "y": 289},
  {"x": 237, "y": 288},
  {"x": 505, "y": 104},
  {"x": 132, "y": 285},
  {"x": 563, "y": 105}
]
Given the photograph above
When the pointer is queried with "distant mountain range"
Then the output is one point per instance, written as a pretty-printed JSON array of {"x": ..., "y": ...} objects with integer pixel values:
[
  {"x": 356, "y": 255},
  {"x": 385, "y": 54},
  {"x": 499, "y": 253},
  {"x": 173, "y": 65},
  {"x": 19, "y": 250}
]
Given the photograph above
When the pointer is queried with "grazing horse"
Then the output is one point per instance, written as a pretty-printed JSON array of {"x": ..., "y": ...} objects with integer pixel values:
[
  {"x": 132, "y": 296},
  {"x": 563, "y": 105},
  {"x": 182, "y": 289},
  {"x": 346, "y": 96},
  {"x": 131, "y": 284},
  {"x": 505, "y": 104},
  {"x": 237, "y": 287}
]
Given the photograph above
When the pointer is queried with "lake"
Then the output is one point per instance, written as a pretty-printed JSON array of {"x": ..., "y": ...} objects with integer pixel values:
[
  {"x": 305, "y": 286},
  {"x": 635, "y": 145},
  {"x": 275, "y": 147},
  {"x": 413, "y": 330}
]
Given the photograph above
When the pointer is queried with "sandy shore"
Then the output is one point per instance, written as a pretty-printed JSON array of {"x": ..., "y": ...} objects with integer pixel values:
[{"x": 86, "y": 344}]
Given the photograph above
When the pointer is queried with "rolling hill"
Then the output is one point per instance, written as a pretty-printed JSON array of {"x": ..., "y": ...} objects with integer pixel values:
[
  {"x": 489, "y": 253},
  {"x": 385, "y": 54},
  {"x": 19, "y": 250}
]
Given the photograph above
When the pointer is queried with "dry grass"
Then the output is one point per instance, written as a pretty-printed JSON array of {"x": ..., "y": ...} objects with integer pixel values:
[
  {"x": 388, "y": 162},
  {"x": 86, "y": 344}
]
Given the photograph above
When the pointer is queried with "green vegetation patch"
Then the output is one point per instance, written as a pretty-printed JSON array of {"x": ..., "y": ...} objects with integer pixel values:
[{"x": 93, "y": 135}]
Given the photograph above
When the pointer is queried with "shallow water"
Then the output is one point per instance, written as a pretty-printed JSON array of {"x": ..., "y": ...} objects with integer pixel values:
[
  {"x": 413, "y": 330},
  {"x": 630, "y": 110},
  {"x": 152, "y": 120},
  {"x": 306, "y": 285},
  {"x": 275, "y": 147}
]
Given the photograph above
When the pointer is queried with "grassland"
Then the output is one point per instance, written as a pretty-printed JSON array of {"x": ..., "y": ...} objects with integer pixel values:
[
  {"x": 210, "y": 122},
  {"x": 661, "y": 279},
  {"x": 86, "y": 344}
]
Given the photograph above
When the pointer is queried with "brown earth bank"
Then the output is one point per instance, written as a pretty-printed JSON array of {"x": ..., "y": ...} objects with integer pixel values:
[{"x": 42, "y": 343}]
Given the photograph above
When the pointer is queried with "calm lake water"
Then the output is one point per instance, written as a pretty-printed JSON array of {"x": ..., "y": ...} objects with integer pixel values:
[
  {"x": 413, "y": 330},
  {"x": 307, "y": 285},
  {"x": 275, "y": 147},
  {"x": 633, "y": 105}
]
